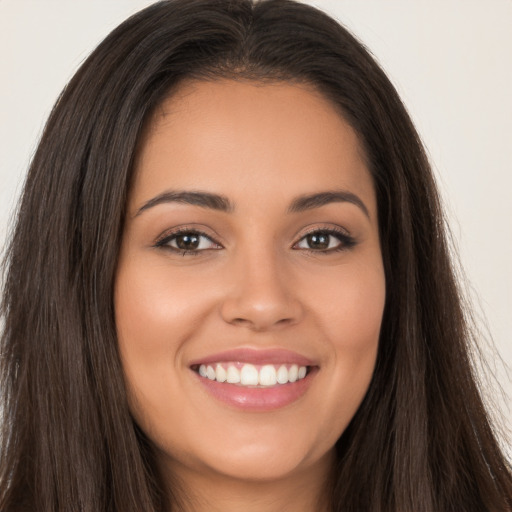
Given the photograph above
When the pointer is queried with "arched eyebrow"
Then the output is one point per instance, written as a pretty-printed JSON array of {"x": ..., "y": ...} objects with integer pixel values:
[
  {"x": 311, "y": 201},
  {"x": 222, "y": 203},
  {"x": 202, "y": 199}
]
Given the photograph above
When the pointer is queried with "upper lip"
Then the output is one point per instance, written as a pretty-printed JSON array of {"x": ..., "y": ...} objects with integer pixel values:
[{"x": 255, "y": 356}]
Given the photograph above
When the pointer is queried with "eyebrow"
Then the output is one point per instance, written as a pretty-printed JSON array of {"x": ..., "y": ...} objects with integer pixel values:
[
  {"x": 223, "y": 204},
  {"x": 202, "y": 199},
  {"x": 309, "y": 202}
]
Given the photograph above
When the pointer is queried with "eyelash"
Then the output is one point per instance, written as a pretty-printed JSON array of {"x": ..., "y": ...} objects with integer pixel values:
[
  {"x": 164, "y": 241},
  {"x": 346, "y": 241}
]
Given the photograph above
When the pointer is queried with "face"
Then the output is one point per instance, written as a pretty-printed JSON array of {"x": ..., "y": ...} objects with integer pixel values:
[{"x": 250, "y": 287}]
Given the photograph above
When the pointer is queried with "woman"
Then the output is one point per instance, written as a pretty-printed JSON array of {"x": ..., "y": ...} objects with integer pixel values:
[{"x": 229, "y": 286}]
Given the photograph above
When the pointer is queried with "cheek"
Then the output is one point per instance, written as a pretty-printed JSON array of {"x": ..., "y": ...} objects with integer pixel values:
[
  {"x": 157, "y": 312},
  {"x": 155, "y": 316},
  {"x": 356, "y": 329},
  {"x": 349, "y": 315},
  {"x": 155, "y": 308},
  {"x": 349, "y": 304}
]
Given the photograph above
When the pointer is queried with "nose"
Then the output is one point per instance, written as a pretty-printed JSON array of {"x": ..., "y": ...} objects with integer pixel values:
[{"x": 262, "y": 294}]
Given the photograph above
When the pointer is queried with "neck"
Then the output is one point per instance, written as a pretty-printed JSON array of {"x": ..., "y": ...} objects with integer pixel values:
[{"x": 305, "y": 491}]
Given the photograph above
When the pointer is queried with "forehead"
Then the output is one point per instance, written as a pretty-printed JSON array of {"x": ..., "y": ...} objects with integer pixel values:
[{"x": 229, "y": 135}]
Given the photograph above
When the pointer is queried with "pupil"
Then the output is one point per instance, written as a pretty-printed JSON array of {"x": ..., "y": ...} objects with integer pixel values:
[
  {"x": 187, "y": 242},
  {"x": 318, "y": 240}
]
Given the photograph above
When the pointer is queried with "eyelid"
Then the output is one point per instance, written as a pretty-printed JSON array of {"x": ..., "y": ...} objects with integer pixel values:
[
  {"x": 324, "y": 228},
  {"x": 164, "y": 238},
  {"x": 347, "y": 241}
]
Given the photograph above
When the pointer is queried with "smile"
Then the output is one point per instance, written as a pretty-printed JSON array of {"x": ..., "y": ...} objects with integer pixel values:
[
  {"x": 255, "y": 380},
  {"x": 247, "y": 374}
]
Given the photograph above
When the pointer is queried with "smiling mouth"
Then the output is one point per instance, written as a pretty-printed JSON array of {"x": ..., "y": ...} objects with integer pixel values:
[{"x": 252, "y": 375}]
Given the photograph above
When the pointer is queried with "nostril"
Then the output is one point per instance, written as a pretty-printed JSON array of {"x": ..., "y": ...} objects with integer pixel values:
[
  {"x": 260, "y": 324},
  {"x": 260, "y": 306}
]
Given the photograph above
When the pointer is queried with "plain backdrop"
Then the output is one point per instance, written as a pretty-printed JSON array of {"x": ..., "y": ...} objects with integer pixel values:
[{"x": 451, "y": 61}]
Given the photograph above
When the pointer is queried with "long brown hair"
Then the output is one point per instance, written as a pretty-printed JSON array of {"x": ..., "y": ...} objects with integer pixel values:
[{"x": 421, "y": 440}]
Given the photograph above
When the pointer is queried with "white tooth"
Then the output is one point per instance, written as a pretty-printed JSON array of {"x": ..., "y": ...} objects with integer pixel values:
[
  {"x": 210, "y": 373},
  {"x": 202, "y": 370},
  {"x": 302, "y": 372},
  {"x": 282, "y": 375},
  {"x": 233, "y": 375},
  {"x": 220, "y": 374},
  {"x": 268, "y": 375},
  {"x": 293, "y": 373},
  {"x": 249, "y": 375}
]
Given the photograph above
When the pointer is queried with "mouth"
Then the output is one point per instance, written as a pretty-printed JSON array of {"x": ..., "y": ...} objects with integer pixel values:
[
  {"x": 252, "y": 375},
  {"x": 255, "y": 380}
]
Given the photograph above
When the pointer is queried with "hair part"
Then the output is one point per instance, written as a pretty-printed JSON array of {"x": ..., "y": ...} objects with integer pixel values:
[{"x": 421, "y": 439}]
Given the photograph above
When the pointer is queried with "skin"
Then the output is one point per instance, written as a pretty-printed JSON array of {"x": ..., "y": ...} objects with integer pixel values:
[{"x": 258, "y": 284}]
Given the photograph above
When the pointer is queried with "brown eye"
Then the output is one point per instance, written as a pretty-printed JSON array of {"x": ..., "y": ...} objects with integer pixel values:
[
  {"x": 325, "y": 241},
  {"x": 188, "y": 242},
  {"x": 318, "y": 241}
]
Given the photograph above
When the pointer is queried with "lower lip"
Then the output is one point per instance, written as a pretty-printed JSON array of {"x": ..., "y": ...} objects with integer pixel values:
[{"x": 258, "y": 399}]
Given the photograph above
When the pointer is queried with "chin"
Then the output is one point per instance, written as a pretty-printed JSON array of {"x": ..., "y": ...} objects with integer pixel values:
[
  {"x": 264, "y": 457},
  {"x": 260, "y": 464}
]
